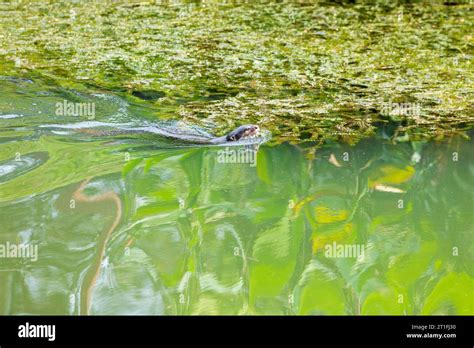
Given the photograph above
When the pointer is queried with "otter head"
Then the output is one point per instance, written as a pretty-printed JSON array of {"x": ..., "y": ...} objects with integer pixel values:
[{"x": 243, "y": 132}]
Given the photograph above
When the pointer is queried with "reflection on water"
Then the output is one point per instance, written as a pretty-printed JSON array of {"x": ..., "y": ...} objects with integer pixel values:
[
  {"x": 198, "y": 236},
  {"x": 134, "y": 228}
]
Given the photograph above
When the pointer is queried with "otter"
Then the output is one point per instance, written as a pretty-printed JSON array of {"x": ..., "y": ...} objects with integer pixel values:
[{"x": 240, "y": 133}]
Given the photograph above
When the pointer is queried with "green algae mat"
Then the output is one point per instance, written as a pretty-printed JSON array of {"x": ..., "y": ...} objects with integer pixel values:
[{"x": 307, "y": 70}]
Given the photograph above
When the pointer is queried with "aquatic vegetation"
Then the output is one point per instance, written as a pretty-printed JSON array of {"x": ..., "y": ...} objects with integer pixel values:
[{"x": 308, "y": 71}]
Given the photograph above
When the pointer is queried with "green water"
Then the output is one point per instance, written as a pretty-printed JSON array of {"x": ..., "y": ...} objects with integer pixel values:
[{"x": 197, "y": 236}]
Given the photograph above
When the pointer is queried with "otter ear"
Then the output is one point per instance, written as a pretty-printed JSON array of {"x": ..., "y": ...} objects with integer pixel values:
[{"x": 232, "y": 138}]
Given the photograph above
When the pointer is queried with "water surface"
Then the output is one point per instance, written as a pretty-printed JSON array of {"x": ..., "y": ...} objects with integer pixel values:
[{"x": 137, "y": 225}]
